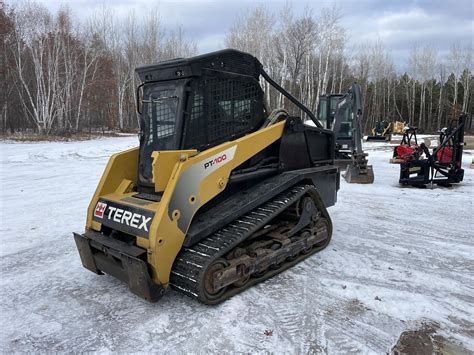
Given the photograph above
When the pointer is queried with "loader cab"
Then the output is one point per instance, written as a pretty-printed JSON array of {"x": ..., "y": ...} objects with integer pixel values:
[
  {"x": 196, "y": 103},
  {"x": 160, "y": 123}
]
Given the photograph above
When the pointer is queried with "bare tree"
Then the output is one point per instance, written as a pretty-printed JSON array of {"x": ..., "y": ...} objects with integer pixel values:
[
  {"x": 330, "y": 39},
  {"x": 176, "y": 45},
  {"x": 455, "y": 60},
  {"x": 466, "y": 77},
  {"x": 254, "y": 33},
  {"x": 68, "y": 76},
  {"x": 37, "y": 47},
  {"x": 442, "y": 77},
  {"x": 413, "y": 66},
  {"x": 6, "y": 76},
  {"x": 426, "y": 64},
  {"x": 361, "y": 66}
]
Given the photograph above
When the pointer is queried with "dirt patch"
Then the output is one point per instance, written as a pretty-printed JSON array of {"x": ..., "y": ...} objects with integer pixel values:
[
  {"x": 356, "y": 307},
  {"x": 425, "y": 341}
]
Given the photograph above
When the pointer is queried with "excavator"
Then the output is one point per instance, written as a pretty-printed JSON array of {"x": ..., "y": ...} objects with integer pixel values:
[
  {"x": 220, "y": 194},
  {"x": 342, "y": 113}
]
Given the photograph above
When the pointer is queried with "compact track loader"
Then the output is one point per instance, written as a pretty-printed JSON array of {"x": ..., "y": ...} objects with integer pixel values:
[
  {"x": 342, "y": 113},
  {"x": 220, "y": 194},
  {"x": 382, "y": 132}
]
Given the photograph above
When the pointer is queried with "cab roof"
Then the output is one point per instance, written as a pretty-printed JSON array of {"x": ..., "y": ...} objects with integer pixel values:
[{"x": 226, "y": 60}]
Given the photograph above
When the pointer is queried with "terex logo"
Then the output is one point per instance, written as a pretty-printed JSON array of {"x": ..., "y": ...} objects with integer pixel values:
[
  {"x": 217, "y": 160},
  {"x": 134, "y": 220},
  {"x": 128, "y": 219},
  {"x": 100, "y": 209}
]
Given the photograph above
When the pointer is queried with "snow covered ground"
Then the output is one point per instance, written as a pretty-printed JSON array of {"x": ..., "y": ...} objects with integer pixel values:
[{"x": 400, "y": 259}]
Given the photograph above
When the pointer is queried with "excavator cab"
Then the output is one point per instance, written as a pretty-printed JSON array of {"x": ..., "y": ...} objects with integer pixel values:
[
  {"x": 346, "y": 124},
  {"x": 331, "y": 105},
  {"x": 327, "y": 109}
]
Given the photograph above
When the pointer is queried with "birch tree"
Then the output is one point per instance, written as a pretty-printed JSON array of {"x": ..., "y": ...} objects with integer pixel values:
[
  {"x": 254, "y": 33},
  {"x": 455, "y": 62},
  {"x": 413, "y": 66},
  {"x": 466, "y": 77},
  {"x": 426, "y": 64},
  {"x": 330, "y": 39},
  {"x": 441, "y": 77},
  {"x": 37, "y": 47}
]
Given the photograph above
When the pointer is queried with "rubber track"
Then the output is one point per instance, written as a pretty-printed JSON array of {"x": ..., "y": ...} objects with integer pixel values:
[{"x": 187, "y": 272}]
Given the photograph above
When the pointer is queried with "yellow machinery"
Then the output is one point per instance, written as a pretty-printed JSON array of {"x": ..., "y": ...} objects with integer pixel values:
[
  {"x": 398, "y": 127},
  {"x": 220, "y": 194},
  {"x": 383, "y": 130}
]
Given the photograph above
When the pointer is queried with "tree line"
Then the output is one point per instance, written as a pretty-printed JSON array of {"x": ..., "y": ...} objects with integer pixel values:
[
  {"x": 59, "y": 75},
  {"x": 308, "y": 54}
]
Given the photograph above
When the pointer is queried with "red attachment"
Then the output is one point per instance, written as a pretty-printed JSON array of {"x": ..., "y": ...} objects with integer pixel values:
[
  {"x": 445, "y": 155},
  {"x": 404, "y": 150}
]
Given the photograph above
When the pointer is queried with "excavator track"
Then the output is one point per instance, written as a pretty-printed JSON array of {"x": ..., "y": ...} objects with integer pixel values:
[{"x": 254, "y": 247}]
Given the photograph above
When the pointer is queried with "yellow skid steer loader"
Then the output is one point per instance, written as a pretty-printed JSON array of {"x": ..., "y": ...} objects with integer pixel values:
[{"x": 220, "y": 194}]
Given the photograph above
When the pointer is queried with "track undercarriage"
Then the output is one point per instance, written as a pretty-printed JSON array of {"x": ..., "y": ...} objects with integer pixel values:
[{"x": 260, "y": 244}]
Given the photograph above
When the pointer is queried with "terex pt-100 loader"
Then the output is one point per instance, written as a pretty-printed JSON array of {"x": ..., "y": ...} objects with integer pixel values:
[{"x": 220, "y": 194}]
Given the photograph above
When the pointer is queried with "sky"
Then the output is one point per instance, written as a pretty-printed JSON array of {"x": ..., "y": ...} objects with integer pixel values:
[{"x": 400, "y": 25}]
